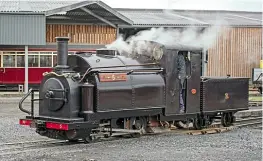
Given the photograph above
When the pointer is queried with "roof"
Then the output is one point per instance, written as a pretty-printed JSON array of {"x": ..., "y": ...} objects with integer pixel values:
[
  {"x": 159, "y": 18},
  {"x": 31, "y": 6},
  {"x": 93, "y": 8},
  {"x": 225, "y": 17},
  {"x": 169, "y": 18},
  {"x": 93, "y": 11}
]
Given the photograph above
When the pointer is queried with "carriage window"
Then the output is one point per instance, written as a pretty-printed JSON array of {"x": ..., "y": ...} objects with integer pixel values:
[
  {"x": 9, "y": 60},
  {"x": 20, "y": 61},
  {"x": 33, "y": 60},
  {"x": 45, "y": 60}
]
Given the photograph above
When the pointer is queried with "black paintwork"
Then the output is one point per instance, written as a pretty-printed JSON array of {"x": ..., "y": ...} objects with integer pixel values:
[
  {"x": 213, "y": 94},
  {"x": 87, "y": 99},
  {"x": 193, "y": 100},
  {"x": 172, "y": 89},
  {"x": 95, "y": 117},
  {"x": 62, "y": 52},
  {"x": 139, "y": 91},
  {"x": 64, "y": 104}
]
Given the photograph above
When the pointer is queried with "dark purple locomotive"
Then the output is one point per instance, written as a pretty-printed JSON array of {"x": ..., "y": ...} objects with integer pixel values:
[{"x": 105, "y": 94}]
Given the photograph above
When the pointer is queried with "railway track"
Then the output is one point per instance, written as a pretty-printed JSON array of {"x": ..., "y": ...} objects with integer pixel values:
[
  {"x": 217, "y": 127},
  {"x": 29, "y": 146},
  {"x": 255, "y": 103},
  {"x": 248, "y": 122}
]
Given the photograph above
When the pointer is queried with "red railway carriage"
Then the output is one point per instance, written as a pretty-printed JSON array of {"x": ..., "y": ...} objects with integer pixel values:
[{"x": 12, "y": 67}]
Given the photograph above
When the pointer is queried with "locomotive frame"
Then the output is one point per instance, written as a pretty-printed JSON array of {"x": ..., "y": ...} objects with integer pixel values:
[{"x": 110, "y": 94}]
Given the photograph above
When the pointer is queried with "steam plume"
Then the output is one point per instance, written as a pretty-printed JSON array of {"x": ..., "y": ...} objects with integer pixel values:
[{"x": 188, "y": 36}]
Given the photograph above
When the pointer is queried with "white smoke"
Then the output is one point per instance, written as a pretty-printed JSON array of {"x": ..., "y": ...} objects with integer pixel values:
[{"x": 190, "y": 36}]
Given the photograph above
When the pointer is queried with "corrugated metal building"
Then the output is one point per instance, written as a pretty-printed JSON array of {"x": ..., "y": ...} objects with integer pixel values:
[
  {"x": 31, "y": 26},
  {"x": 22, "y": 29},
  {"x": 44, "y": 20}
]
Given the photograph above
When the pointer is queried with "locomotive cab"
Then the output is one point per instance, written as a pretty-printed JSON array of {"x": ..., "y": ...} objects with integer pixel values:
[{"x": 167, "y": 58}]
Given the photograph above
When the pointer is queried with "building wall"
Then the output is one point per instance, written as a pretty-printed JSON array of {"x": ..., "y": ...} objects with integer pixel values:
[
  {"x": 236, "y": 52},
  {"x": 88, "y": 34},
  {"x": 22, "y": 29},
  {"x": 81, "y": 36}
]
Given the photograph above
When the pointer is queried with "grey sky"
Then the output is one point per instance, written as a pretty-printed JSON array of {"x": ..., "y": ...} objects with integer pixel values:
[{"x": 243, "y": 5}]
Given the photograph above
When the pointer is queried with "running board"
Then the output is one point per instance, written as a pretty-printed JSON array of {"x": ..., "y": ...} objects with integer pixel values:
[{"x": 122, "y": 130}]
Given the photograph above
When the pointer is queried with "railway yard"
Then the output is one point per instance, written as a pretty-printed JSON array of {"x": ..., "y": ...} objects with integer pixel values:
[
  {"x": 129, "y": 84},
  {"x": 242, "y": 142}
]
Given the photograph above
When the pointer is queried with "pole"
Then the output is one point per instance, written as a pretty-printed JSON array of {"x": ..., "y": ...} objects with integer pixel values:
[
  {"x": 262, "y": 34},
  {"x": 26, "y": 69},
  {"x": 117, "y": 32}
]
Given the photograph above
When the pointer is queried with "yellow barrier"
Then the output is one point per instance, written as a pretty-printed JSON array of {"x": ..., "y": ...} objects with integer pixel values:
[{"x": 261, "y": 64}]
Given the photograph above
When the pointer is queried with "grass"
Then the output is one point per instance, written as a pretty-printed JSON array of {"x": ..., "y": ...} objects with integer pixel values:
[{"x": 255, "y": 98}]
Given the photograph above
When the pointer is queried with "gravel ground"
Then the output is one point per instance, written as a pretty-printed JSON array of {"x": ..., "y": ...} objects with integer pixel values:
[
  {"x": 238, "y": 145},
  {"x": 11, "y": 131}
]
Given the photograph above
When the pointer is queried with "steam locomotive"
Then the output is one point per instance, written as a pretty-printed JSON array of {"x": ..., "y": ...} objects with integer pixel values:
[{"x": 108, "y": 94}]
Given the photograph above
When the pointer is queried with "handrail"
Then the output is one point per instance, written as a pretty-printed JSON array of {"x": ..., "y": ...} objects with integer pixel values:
[
  {"x": 128, "y": 70},
  {"x": 23, "y": 99},
  {"x": 92, "y": 70}
]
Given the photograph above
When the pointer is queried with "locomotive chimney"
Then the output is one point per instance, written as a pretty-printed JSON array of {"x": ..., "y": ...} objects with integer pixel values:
[{"x": 62, "y": 52}]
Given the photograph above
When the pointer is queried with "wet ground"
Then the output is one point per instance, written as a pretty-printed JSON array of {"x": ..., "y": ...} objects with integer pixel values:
[{"x": 242, "y": 145}]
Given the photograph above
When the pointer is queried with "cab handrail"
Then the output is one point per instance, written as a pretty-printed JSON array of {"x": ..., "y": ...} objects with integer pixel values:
[{"x": 31, "y": 91}]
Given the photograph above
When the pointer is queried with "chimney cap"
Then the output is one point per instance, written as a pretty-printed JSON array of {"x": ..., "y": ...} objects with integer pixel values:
[{"x": 62, "y": 38}]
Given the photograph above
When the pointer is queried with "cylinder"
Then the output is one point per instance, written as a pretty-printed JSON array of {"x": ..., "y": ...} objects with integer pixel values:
[
  {"x": 62, "y": 52},
  {"x": 261, "y": 64},
  {"x": 87, "y": 98}
]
